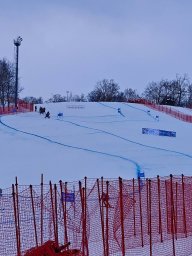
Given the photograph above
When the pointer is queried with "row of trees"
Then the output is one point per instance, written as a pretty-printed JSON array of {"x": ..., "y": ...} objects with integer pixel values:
[
  {"x": 176, "y": 92},
  {"x": 105, "y": 90}
]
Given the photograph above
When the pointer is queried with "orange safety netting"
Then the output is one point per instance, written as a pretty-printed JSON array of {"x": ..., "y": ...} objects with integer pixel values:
[{"x": 99, "y": 217}]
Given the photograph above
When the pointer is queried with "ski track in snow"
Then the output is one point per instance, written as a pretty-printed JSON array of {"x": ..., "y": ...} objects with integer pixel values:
[{"x": 137, "y": 166}]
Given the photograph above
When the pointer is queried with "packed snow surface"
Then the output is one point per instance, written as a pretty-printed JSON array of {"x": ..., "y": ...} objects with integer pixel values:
[{"x": 93, "y": 140}]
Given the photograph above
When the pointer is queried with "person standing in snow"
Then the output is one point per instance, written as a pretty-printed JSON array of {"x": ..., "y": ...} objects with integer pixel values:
[{"x": 47, "y": 114}]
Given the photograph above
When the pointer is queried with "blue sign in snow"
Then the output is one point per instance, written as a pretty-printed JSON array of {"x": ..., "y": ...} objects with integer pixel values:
[
  {"x": 158, "y": 132},
  {"x": 68, "y": 197}
]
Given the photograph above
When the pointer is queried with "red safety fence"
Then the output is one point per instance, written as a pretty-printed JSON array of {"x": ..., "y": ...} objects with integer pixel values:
[
  {"x": 22, "y": 106},
  {"x": 98, "y": 217},
  {"x": 165, "y": 109}
]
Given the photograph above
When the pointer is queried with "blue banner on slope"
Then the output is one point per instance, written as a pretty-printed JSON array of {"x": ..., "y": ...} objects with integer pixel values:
[{"x": 158, "y": 132}]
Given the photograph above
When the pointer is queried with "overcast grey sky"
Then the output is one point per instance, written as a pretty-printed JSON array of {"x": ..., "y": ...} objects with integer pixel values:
[{"x": 72, "y": 44}]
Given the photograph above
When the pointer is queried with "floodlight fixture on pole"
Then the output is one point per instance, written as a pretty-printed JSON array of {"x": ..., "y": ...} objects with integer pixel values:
[{"x": 17, "y": 43}]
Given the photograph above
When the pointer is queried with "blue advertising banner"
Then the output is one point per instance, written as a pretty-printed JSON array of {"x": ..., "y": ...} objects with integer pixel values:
[
  {"x": 68, "y": 197},
  {"x": 158, "y": 132}
]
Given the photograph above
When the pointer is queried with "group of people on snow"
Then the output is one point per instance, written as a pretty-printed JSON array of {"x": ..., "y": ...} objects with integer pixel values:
[{"x": 42, "y": 111}]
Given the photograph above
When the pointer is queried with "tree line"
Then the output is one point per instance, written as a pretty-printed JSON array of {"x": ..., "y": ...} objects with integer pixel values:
[{"x": 177, "y": 92}]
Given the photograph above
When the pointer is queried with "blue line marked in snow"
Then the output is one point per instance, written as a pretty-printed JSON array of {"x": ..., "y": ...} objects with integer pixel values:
[
  {"x": 118, "y": 109},
  {"x": 131, "y": 141},
  {"x": 148, "y": 112},
  {"x": 106, "y": 105},
  {"x": 138, "y": 168}
]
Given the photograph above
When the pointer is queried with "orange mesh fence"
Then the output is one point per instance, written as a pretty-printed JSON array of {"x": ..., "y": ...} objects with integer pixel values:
[
  {"x": 99, "y": 217},
  {"x": 22, "y": 106},
  {"x": 168, "y": 110}
]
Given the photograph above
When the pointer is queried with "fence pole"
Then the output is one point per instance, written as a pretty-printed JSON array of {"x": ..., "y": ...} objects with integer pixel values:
[
  {"x": 63, "y": 202},
  {"x": 101, "y": 217},
  {"x": 184, "y": 209},
  {"x": 16, "y": 224},
  {"x": 82, "y": 218},
  {"x": 150, "y": 220},
  {"x": 53, "y": 211},
  {"x": 34, "y": 219},
  {"x": 107, "y": 218},
  {"x": 141, "y": 215},
  {"x": 85, "y": 205},
  {"x": 167, "y": 207},
  {"x": 134, "y": 220},
  {"x": 148, "y": 223},
  {"x": 159, "y": 205},
  {"x": 176, "y": 208},
  {"x": 56, "y": 215},
  {"x": 18, "y": 211},
  {"x": 122, "y": 215},
  {"x": 172, "y": 214},
  {"x": 42, "y": 209}
]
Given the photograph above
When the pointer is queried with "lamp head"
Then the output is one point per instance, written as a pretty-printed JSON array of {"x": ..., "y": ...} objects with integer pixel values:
[{"x": 17, "y": 42}]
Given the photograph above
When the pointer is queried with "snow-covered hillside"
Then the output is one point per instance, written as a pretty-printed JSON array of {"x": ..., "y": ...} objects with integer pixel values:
[{"x": 93, "y": 140}]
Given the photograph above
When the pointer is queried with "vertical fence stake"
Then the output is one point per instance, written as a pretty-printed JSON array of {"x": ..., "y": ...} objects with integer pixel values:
[
  {"x": 134, "y": 220},
  {"x": 172, "y": 215},
  {"x": 63, "y": 203},
  {"x": 101, "y": 217},
  {"x": 107, "y": 219},
  {"x": 176, "y": 208},
  {"x": 167, "y": 207},
  {"x": 85, "y": 205},
  {"x": 141, "y": 215},
  {"x": 159, "y": 205},
  {"x": 16, "y": 225},
  {"x": 56, "y": 215},
  {"x": 42, "y": 204},
  {"x": 53, "y": 211},
  {"x": 148, "y": 224},
  {"x": 184, "y": 209},
  {"x": 34, "y": 219},
  {"x": 82, "y": 218},
  {"x": 122, "y": 215},
  {"x": 18, "y": 211},
  {"x": 150, "y": 220}
]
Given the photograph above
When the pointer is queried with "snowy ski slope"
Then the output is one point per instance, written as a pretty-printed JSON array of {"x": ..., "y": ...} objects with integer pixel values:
[{"x": 93, "y": 140}]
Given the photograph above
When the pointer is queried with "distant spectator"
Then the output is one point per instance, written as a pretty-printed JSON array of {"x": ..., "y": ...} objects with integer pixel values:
[
  {"x": 41, "y": 110},
  {"x": 47, "y": 115},
  {"x": 35, "y": 108}
]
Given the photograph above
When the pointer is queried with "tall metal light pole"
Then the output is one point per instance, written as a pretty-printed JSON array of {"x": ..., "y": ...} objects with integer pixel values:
[{"x": 17, "y": 43}]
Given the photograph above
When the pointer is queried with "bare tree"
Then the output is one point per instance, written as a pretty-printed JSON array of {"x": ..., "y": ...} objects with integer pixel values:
[
  {"x": 7, "y": 82},
  {"x": 57, "y": 98},
  {"x": 33, "y": 100},
  {"x": 130, "y": 94},
  {"x": 172, "y": 92},
  {"x": 105, "y": 90}
]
